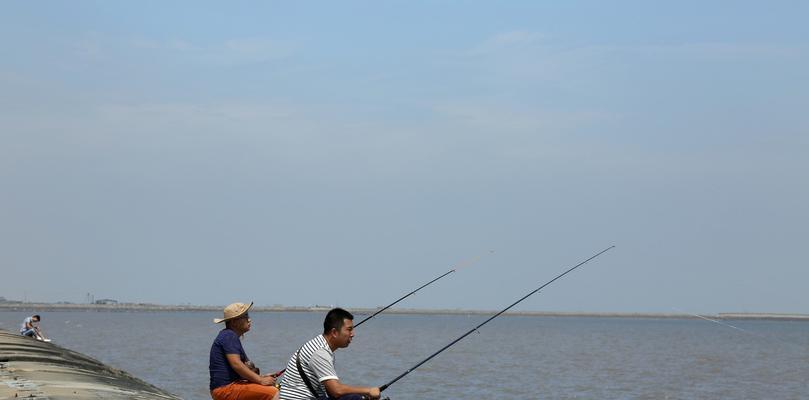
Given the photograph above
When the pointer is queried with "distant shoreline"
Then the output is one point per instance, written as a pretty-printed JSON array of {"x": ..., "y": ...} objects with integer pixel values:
[{"x": 132, "y": 307}]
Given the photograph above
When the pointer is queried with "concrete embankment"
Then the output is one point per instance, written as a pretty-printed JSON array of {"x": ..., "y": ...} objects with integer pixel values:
[{"x": 36, "y": 370}]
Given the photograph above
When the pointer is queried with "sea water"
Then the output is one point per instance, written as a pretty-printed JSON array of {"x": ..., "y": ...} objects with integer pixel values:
[{"x": 512, "y": 357}]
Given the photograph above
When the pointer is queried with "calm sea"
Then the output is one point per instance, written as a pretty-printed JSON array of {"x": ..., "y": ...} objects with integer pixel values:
[{"x": 510, "y": 358}]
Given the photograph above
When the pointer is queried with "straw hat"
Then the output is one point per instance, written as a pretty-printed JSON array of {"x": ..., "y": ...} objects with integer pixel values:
[{"x": 234, "y": 310}]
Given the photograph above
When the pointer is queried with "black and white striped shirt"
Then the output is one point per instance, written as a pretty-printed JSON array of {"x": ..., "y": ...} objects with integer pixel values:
[{"x": 317, "y": 362}]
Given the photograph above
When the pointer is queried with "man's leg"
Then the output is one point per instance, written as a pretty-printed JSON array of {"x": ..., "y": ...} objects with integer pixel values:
[
  {"x": 352, "y": 397},
  {"x": 29, "y": 333},
  {"x": 251, "y": 391}
]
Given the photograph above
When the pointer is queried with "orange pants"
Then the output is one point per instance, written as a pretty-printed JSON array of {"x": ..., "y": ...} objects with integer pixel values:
[{"x": 244, "y": 391}]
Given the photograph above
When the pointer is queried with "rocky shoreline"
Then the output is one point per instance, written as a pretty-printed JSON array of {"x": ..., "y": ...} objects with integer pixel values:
[{"x": 37, "y": 370}]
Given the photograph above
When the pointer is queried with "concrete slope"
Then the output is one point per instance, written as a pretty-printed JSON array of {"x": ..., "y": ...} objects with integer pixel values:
[{"x": 36, "y": 370}]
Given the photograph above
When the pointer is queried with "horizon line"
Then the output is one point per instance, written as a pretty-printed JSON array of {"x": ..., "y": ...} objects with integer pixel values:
[{"x": 66, "y": 306}]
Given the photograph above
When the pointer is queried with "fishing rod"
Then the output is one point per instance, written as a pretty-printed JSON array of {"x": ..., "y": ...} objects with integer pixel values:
[
  {"x": 716, "y": 321},
  {"x": 461, "y": 264},
  {"x": 759, "y": 335},
  {"x": 385, "y": 386},
  {"x": 413, "y": 292}
]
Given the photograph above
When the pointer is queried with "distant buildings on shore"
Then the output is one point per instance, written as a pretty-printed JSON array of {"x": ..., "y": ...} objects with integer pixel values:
[{"x": 3, "y": 300}]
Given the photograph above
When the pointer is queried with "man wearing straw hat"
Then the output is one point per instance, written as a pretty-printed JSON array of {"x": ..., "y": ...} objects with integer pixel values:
[{"x": 232, "y": 375}]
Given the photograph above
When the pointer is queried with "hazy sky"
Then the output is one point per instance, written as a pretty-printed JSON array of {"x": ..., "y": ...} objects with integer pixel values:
[{"x": 306, "y": 153}]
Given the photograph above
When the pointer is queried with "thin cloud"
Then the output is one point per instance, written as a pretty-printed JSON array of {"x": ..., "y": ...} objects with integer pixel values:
[
  {"x": 170, "y": 44},
  {"x": 519, "y": 41},
  {"x": 489, "y": 115},
  {"x": 236, "y": 51},
  {"x": 516, "y": 39}
]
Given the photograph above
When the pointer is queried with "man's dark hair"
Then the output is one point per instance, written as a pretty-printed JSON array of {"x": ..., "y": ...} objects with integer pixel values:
[
  {"x": 36, "y": 317},
  {"x": 334, "y": 319}
]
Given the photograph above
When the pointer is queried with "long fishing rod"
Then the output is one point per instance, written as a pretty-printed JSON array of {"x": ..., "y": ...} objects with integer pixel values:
[
  {"x": 413, "y": 292},
  {"x": 385, "y": 386},
  {"x": 464, "y": 263},
  {"x": 759, "y": 335}
]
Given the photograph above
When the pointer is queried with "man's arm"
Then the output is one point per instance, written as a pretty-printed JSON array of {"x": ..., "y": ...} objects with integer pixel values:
[
  {"x": 336, "y": 389},
  {"x": 236, "y": 363},
  {"x": 322, "y": 364}
]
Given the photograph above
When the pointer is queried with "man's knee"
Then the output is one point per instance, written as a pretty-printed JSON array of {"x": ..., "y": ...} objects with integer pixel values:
[
  {"x": 268, "y": 392},
  {"x": 252, "y": 391},
  {"x": 353, "y": 396}
]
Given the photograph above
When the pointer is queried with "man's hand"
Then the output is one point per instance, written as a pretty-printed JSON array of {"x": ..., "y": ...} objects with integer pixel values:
[
  {"x": 374, "y": 393},
  {"x": 267, "y": 380}
]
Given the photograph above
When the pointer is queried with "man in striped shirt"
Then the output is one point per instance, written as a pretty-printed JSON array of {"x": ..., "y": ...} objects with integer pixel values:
[{"x": 310, "y": 371}]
